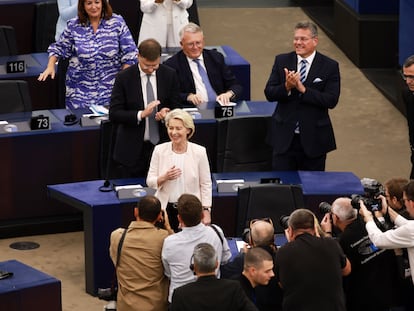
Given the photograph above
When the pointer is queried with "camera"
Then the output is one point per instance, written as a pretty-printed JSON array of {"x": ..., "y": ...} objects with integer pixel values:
[
  {"x": 283, "y": 221},
  {"x": 372, "y": 189},
  {"x": 107, "y": 294},
  {"x": 325, "y": 207}
]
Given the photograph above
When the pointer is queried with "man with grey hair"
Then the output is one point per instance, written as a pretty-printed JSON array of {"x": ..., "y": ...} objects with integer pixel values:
[
  {"x": 208, "y": 292},
  {"x": 408, "y": 98},
  {"x": 204, "y": 76},
  {"x": 372, "y": 268}
]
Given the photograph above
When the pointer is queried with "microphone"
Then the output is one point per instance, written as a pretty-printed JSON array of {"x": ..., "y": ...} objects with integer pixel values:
[{"x": 107, "y": 186}]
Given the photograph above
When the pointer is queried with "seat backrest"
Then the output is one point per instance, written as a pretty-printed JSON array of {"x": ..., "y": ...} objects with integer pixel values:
[
  {"x": 14, "y": 96},
  {"x": 107, "y": 166},
  {"x": 241, "y": 144},
  {"x": 8, "y": 46},
  {"x": 46, "y": 16},
  {"x": 267, "y": 200}
]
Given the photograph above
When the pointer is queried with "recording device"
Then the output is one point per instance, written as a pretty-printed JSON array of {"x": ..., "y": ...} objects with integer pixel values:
[
  {"x": 325, "y": 207},
  {"x": 284, "y": 221},
  {"x": 372, "y": 189},
  {"x": 107, "y": 294}
]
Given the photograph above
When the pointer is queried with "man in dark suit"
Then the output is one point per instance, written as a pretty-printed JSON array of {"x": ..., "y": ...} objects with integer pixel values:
[
  {"x": 408, "y": 98},
  {"x": 207, "y": 292},
  {"x": 141, "y": 97},
  {"x": 305, "y": 85},
  {"x": 219, "y": 85}
]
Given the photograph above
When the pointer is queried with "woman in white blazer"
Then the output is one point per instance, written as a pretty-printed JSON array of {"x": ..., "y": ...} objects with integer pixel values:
[
  {"x": 180, "y": 166},
  {"x": 163, "y": 20}
]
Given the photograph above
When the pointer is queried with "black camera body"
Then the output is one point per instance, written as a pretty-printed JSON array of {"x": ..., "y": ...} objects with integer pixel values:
[
  {"x": 325, "y": 207},
  {"x": 107, "y": 294},
  {"x": 284, "y": 221},
  {"x": 372, "y": 189}
]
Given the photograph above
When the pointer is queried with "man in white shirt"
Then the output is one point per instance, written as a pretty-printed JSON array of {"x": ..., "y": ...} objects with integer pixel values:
[{"x": 178, "y": 248}]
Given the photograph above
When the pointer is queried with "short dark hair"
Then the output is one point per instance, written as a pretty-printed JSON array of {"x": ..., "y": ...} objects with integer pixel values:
[
  {"x": 409, "y": 61},
  {"x": 308, "y": 25},
  {"x": 409, "y": 190},
  {"x": 83, "y": 16},
  {"x": 190, "y": 209},
  {"x": 255, "y": 256},
  {"x": 149, "y": 207},
  {"x": 395, "y": 187},
  {"x": 150, "y": 49},
  {"x": 205, "y": 258},
  {"x": 302, "y": 219}
]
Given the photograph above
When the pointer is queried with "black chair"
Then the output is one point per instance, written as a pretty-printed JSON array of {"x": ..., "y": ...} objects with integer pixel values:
[
  {"x": 46, "y": 16},
  {"x": 107, "y": 167},
  {"x": 267, "y": 200},
  {"x": 241, "y": 145},
  {"x": 8, "y": 46},
  {"x": 15, "y": 96}
]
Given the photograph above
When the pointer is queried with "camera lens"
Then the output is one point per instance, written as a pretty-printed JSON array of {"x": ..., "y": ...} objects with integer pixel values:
[
  {"x": 325, "y": 207},
  {"x": 283, "y": 221}
]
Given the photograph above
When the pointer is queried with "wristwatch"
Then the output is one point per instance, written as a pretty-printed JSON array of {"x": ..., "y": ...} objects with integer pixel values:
[{"x": 207, "y": 209}]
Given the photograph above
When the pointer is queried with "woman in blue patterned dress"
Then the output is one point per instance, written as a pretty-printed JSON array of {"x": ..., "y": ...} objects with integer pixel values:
[{"x": 98, "y": 44}]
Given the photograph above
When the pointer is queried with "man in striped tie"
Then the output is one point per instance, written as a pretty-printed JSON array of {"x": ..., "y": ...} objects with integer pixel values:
[{"x": 305, "y": 84}]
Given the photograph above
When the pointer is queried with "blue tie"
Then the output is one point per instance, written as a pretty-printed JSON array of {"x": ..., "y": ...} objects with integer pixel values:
[
  {"x": 302, "y": 71},
  {"x": 152, "y": 123},
  {"x": 211, "y": 94}
]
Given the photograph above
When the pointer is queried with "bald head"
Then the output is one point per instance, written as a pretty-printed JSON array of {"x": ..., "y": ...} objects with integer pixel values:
[{"x": 262, "y": 233}]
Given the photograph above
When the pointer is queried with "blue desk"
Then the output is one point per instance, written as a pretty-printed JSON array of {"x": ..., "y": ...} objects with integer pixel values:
[
  {"x": 32, "y": 160},
  {"x": 104, "y": 212},
  {"x": 28, "y": 289}
]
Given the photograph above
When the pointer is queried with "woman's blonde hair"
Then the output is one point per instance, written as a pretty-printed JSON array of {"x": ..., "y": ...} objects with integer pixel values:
[{"x": 184, "y": 116}]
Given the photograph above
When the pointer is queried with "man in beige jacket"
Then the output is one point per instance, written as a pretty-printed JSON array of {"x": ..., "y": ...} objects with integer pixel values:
[{"x": 141, "y": 280}]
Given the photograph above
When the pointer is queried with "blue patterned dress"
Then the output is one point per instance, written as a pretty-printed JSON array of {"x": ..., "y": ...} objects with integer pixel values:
[{"x": 94, "y": 59}]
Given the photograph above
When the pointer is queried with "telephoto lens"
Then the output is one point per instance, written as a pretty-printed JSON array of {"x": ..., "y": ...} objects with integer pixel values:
[
  {"x": 325, "y": 207},
  {"x": 283, "y": 221}
]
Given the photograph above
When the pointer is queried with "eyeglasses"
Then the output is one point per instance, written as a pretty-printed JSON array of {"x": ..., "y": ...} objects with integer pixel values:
[
  {"x": 266, "y": 219},
  {"x": 407, "y": 77},
  {"x": 303, "y": 39},
  {"x": 193, "y": 44},
  {"x": 145, "y": 66}
]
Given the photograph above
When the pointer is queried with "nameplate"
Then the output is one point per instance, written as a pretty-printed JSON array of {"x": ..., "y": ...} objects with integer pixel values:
[
  {"x": 17, "y": 66},
  {"x": 92, "y": 119},
  {"x": 223, "y": 111},
  {"x": 130, "y": 191},
  {"x": 40, "y": 122},
  {"x": 233, "y": 185}
]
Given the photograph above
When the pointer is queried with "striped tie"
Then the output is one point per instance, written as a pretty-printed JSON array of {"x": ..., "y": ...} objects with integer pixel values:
[{"x": 302, "y": 71}]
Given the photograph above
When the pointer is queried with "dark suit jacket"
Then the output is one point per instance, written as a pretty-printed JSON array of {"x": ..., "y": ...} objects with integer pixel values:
[
  {"x": 408, "y": 98},
  {"x": 310, "y": 109},
  {"x": 221, "y": 77},
  {"x": 127, "y": 100},
  {"x": 209, "y": 293}
]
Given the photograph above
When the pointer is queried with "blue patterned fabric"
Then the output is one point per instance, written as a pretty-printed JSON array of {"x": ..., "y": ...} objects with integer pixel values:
[{"x": 95, "y": 59}]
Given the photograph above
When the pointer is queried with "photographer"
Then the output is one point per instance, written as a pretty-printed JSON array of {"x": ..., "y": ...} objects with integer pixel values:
[
  {"x": 310, "y": 268},
  {"x": 374, "y": 271},
  {"x": 139, "y": 270},
  {"x": 402, "y": 236},
  {"x": 260, "y": 234}
]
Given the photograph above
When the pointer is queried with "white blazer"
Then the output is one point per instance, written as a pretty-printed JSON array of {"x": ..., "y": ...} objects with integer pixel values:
[
  {"x": 197, "y": 177},
  {"x": 154, "y": 20}
]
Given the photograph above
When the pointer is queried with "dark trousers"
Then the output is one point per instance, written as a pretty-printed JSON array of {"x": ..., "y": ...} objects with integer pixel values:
[{"x": 295, "y": 159}]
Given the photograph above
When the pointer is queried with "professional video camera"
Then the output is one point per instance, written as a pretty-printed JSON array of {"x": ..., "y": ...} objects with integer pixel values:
[{"x": 372, "y": 189}]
